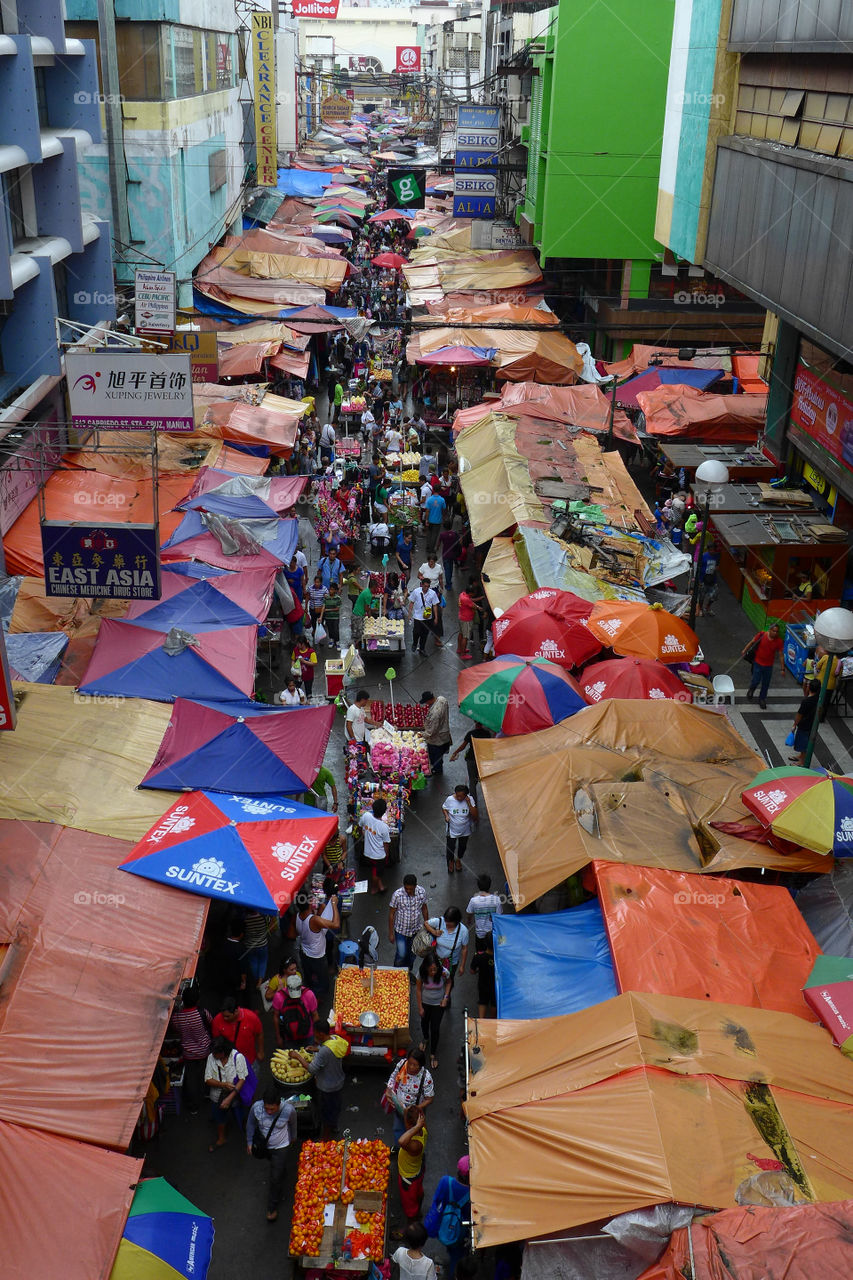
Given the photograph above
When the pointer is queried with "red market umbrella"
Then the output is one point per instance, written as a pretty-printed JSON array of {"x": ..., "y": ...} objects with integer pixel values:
[
  {"x": 544, "y": 627},
  {"x": 639, "y": 630},
  {"x": 392, "y": 260},
  {"x": 389, "y": 215},
  {"x": 632, "y": 678}
]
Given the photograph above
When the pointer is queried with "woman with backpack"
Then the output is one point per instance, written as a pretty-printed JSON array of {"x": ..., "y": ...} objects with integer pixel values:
[
  {"x": 449, "y": 1214},
  {"x": 294, "y": 1021}
]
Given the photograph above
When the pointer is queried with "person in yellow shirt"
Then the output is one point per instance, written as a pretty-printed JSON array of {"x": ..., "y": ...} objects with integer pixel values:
[
  {"x": 821, "y": 657},
  {"x": 410, "y": 1163}
]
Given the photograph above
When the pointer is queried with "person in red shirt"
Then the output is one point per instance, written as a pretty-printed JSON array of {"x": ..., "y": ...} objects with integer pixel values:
[
  {"x": 767, "y": 645},
  {"x": 242, "y": 1027},
  {"x": 467, "y": 612}
]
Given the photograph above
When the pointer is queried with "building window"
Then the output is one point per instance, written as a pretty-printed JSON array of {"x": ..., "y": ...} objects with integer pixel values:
[
  {"x": 14, "y": 206},
  {"x": 189, "y": 61},
  {"x": 60, "y": 285},
  {"x": 41, "y": 98},
  {"x": 140, "y": 60}
]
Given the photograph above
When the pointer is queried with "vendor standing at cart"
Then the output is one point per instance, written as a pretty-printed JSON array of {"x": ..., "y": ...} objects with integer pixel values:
[
  {"x": 363, "y": 608},
  {"x": 357, "y": 723},
  {"x": 327, "y": 1069}
]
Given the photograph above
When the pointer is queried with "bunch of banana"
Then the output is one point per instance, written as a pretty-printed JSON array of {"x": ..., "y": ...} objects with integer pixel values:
[{"x": 287, "y": 1070}]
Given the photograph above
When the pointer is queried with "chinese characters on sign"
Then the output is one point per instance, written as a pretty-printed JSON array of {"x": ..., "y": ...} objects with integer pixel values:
[
  {"x": 266, "y": 144},
  {"x": 130, "y": 392},
  {"x": 154, "y": 293},
  {"x": 115, "y": 562}
]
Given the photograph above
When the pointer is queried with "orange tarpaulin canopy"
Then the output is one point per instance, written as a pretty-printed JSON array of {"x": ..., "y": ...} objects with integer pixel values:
[
  {"x": 724, "y": 940},
  {"x": 74, "y": 1230},
  {"x": 109, "y": 949},
  {"x": 677, "y": 410},
  {"x": 88, "y": 495},
  {"x": 761, "y": 1242},
  {"x": 523, "y": 354},
  {"x": 499, "y": 312},
  {"x": 648, "y": 778},
  {"x": 274, "y": 423},
  {"x": 649, "y": 1098},
  {"x": 245, "y": 357},
  {"x": 584, "y": 406}
]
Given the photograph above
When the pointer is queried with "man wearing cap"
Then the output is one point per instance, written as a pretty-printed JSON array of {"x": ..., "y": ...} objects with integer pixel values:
[
  {"x": 436, "y": 730},
  {"x": 294, "y": 1020},
  {"x": 327, "y": 1068}
]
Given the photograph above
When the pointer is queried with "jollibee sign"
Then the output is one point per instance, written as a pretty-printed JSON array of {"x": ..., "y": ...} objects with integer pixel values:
[{"x": 315, "y": 8}]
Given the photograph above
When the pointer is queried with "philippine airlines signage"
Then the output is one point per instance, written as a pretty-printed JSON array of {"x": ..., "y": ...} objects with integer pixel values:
[
  {"x": 154, "y": 293},
  {"x": 130, "y": 392},
  {"x": 408, "y": 57},
  {"x": 824, "y": 414},
  {"x": 316, "y": 8},
  {"x": 263, "y": 64}
]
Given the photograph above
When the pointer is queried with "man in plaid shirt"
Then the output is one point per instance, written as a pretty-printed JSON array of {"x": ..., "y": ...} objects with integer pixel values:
[{"x": 407, "y": 913}]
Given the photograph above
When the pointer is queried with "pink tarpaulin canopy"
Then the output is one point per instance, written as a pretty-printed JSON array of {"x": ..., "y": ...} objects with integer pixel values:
[
  {"x": 131, "y": 661},
  {"x": 66, "y": 1240},
  {"x": 211, "y": 748},
  {"x": 245, "y": 358},
  {"x": 458, "y": 355},
  {"x": 291, "y": 362},
  {"x": 280, "y": 492},
  {"x": 251, "y": 590},
  {"x": 108, "y": 950}
]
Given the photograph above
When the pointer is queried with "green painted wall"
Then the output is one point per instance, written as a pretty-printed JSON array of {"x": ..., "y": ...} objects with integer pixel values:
[{"x": 593, "y": 178}]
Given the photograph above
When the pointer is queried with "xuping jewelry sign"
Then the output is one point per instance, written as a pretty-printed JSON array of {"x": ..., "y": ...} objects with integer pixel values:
[
  {"x": 266, "y": 142},
  {"x": 130, "y": 392}
]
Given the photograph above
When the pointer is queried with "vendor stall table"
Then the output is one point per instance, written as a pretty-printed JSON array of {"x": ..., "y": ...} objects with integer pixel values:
[
  {"x": 738, "y": 497},
  {"x": 390, "y": 1001},
  {"x": 340, "y": 1205},
  {"x": 384, "y": 635},
  {"x": 764, "y": 557},
  {"x": 743, "y": 463}
]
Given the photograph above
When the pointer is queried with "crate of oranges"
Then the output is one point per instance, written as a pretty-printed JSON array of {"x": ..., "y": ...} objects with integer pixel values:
[{"x": 390, "y": 999}]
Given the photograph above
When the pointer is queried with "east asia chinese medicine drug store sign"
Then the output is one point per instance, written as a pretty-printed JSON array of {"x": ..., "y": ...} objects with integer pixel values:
[{"x": 114, "y": 562}]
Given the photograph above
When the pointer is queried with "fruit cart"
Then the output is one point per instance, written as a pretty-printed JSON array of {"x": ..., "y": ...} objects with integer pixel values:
[
  {"x": 349, "y": 448},
  {"x": 296, "y": 1086},
  {"x": 403, "y": 715},
  {"x": 340, "y": 1205},
  {"x": 403, "y": 507},
  {"x": 337, "y": 670},
  {"x": 363, "y": 791},
  {"x": 389, "y": 1000},
  {"x": 384, "y": 635}
]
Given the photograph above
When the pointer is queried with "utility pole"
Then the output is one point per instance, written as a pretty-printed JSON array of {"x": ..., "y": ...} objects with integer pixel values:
[
  {"x": 115, "y": 126},
  {"x": 467, "y": 66}
]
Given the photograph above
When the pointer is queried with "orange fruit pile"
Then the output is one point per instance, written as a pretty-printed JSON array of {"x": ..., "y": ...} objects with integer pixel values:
[
  {"x": 318, "y": 1183},
  {"x": 390, "y": 997}
]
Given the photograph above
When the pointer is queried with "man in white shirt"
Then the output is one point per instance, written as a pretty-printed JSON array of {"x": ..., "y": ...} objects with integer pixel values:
[
  {"x": 460, "y": 814},
  {"x": 425, "y": 495},
  {"x": 356, "y": 725},
  {"x": 482, "y": 906},
  {"x": 368, "y": 422},
  {"x": 275, "y": 1119},
  {"x": 394, "y": 440},
  {"x": 432, "y": 571},
  {"x": 423, "y": 612},
  {"x": 327, "y": 444},
  {"x": 377, "y": 842},
  {"x": 380, "y": 537}
]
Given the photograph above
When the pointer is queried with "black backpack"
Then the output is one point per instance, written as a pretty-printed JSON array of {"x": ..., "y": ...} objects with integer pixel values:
[{"x": 294, "y": 1021}]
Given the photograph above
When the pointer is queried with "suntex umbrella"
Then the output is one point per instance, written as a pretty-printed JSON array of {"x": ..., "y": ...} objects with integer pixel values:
[
  {"x": 811, "y": 808},
  {"x": 166, "y": 1237},
  {"x": 829, "y": 992},
  {"x": 253, "y": 750},
  {"x": 515, "y": 695},
  {"x": 549, "y": 627},
  {"x": 631, "y": 678},
  {"x": 639, "y": 630},
  {"x": 252, "y": 851}
]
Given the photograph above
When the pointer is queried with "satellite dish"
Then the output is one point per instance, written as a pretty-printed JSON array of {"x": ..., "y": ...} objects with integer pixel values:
[{"x": 584, "y": 808}]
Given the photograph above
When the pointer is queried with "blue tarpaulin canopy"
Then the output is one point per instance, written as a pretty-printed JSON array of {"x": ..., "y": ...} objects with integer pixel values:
[
  {"x": 303, "y": 182},
  {"x": 548, "y": 965},
  {"x": 36, "y": 655}
]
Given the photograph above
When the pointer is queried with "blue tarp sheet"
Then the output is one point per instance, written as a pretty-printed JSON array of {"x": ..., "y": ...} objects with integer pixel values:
[
  {"x": 36, "y": 655},
  {"x": 282, "y": 543},
  {"x": 548, "y": 965},
  {"x": 304, "y": 182}
]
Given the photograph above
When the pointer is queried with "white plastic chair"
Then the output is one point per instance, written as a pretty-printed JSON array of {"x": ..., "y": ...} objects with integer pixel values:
[{"x": 724, "y": 691}]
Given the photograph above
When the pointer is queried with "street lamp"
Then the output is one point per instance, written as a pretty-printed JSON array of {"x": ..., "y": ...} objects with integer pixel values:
[
  {"x": 833, "y": 631},
  {"x": 714, "y": 474}
]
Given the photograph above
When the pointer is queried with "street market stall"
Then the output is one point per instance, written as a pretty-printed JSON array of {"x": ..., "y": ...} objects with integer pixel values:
[
  {"x": 372, "y": 1007},
  {"x": 340, "y": 1205}
]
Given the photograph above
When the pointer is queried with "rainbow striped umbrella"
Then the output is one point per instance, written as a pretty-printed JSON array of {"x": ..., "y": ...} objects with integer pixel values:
[
  {"x": 166, "y": 1237},
  {"x": 809, "y": 807},
  {"x": 515, "y": 695}
]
